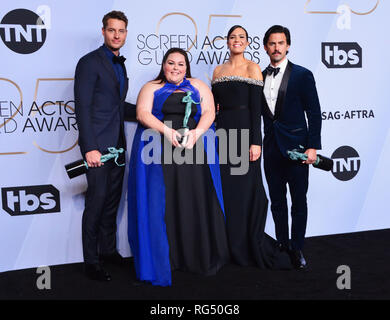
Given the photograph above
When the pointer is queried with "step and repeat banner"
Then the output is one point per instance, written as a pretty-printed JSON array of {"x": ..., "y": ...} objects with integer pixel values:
[{"x": 342, "y": 42}]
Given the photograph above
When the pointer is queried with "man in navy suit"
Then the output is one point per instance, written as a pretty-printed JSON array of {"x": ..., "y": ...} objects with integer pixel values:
[
  {"x": 292, "y": 118},
  {"x": 100, "y": 90}
]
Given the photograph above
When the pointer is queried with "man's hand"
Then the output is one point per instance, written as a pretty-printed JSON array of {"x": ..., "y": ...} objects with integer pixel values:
[
  {"x": 93, "y": 158},
  {"x": 254, "y": 152},
  {"x": 311, "y": 156}
]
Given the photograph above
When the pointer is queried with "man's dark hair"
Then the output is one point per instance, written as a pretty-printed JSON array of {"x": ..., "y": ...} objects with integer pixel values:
[
  {"x": 236, "y": 27},
  {"x": 161, "y": 75},
  {"x": 277, "y": 29},
  {"x": 114, "y": 15}
]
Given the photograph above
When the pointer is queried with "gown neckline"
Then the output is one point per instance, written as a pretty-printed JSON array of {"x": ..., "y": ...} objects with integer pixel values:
[{"x": 238, "y": 78}]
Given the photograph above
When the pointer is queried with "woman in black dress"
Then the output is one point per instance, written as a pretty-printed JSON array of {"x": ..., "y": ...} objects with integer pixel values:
[
  {"x": 175, "y": 210},
  {"x": 237, "y": 88}
]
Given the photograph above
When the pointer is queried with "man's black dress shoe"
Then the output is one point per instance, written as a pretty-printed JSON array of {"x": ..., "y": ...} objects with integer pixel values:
[
  {"x": 114, "y": 258},
  {"x": 298, "y": 259},
  {"x": 96, "y": 272}
]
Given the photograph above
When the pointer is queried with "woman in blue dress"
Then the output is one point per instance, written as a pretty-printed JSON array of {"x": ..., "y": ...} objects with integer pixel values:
[{"x": 175, "y": 208}]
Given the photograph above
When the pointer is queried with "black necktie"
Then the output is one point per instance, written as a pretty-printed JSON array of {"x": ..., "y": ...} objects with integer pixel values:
[
  {"x": 271, "y": 70},
  {"x": 118, "y": 59}
]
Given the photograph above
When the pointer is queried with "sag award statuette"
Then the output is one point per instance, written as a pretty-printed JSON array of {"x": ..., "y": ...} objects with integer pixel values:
[
  {"x": 184, "y": 129},
  {"x": 80, "y": 167},
  {"x": 322, "y": 162}
]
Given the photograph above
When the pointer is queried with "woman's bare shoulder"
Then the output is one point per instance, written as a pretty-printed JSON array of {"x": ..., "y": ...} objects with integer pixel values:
[
  {"x": 197, "y": 83},
  {"x": 254, "y": 71},
  {"x": 219, "y": 70},
  {"x": 152, "y": 85}
]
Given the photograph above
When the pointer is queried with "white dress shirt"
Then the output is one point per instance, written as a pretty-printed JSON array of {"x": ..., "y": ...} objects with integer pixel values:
[{"x": 272, "y": 85}]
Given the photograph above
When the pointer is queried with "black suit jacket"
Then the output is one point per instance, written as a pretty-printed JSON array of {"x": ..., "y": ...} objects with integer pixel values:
[
  {"x": 100, "y": 109},
  {"x": 297, "y": 99}
]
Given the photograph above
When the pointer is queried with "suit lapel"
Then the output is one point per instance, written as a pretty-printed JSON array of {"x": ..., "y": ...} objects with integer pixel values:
[
  {"x": 106, "y": 63},
  {"x": 126, "y": 84},
  {"x": 282, "y": 90}
]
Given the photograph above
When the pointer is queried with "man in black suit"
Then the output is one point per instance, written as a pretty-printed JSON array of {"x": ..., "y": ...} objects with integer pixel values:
[
  {"x": 100, "y": 90},
  {"x": 290, "y": 97}
]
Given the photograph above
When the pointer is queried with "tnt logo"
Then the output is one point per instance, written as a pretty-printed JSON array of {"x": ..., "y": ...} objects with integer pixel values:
[
  {"x": 346, "y": 163},
  {"x": 24, "y": 31},
  {"x": 341, "y": 55},
  {"x": 30, "y": 200}
]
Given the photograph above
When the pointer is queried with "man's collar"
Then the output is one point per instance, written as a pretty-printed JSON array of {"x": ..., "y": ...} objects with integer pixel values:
[
  {"x": 282, "y": 65},
  {"x": 108, "y": 51}
]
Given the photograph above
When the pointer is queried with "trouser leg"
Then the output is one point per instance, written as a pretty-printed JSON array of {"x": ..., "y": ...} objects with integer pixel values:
[
  {"x": 275, "y": 172},
  {"x": 95, "y": 199},
  {"x": 298, "y": 185},
  {"x": 108, "y": 224}
]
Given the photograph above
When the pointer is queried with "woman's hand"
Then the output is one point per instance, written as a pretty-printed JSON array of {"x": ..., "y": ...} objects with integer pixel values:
[
  {"x": 172, "y": 135},
  {"x": 193, "y": 136},
  {"x": 254, "y": 152}
]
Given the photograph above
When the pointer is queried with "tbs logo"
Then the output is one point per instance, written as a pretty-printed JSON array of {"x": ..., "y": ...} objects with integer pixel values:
[
  {"x": 341, "y": 55},
  {"x": 30, "y": 200}
]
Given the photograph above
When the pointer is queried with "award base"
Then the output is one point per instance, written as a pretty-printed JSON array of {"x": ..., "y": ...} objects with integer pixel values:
[
  {"x": 76, "y": 168},
  {"x": 184, "y": 139},
  {"x": 80, "y": 167},
  {"x": 324, "y": 163}
]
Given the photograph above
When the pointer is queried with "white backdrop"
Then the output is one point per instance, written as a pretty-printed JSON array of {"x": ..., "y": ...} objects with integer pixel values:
[{"x": 342, "y": 42}]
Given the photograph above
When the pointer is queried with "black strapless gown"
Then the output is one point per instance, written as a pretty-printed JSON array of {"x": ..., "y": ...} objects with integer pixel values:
[
  {"x": 194, "y": 219},
  {"x": 245, "y": 200}
]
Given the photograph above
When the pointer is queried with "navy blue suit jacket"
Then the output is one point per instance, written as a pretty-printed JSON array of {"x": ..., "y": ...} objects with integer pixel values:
[
  {"x": 297, "y": 97},
  {"x": 100, "y": 109}
]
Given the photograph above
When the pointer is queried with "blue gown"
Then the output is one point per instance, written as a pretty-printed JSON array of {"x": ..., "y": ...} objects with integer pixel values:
[{"x": 175, "y": 211}]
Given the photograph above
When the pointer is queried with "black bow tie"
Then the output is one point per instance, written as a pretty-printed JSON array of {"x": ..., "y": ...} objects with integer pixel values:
[
  {"x": 118, "y": 59},
  {"x": 271, "y": 70}
]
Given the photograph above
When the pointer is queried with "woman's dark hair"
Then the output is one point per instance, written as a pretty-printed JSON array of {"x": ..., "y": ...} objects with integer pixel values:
[
  {"x": 114, "y": 15},
  {"x": 277, "y": 29},
  {"x": 161, "y": 75},
  {"x": 234, "y": 28}
]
